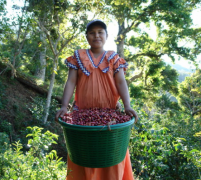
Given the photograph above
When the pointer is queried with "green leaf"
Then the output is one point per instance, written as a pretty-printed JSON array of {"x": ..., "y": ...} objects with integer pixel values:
[{"x": 194, "y": 150}]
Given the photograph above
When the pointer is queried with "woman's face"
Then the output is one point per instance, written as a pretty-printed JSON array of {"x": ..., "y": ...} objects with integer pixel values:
[{"x": 96, "y": 36}]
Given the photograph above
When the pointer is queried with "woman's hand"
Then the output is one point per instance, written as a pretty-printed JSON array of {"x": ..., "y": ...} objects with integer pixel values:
[
  {"x": 68, "y": 92},
  {"x": 124, "y": 94},
  {"x": 129, "y": 111},
  {"x": 60, "y": 113}
]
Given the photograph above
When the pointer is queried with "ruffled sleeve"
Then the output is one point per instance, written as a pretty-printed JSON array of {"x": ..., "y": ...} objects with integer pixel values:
[
  {"x": 71, "y": 62},
  {"x": 119, "y": 63}
]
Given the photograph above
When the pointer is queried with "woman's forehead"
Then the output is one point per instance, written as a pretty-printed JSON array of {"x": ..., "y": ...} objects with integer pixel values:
[{"x": 95, "y": 27}]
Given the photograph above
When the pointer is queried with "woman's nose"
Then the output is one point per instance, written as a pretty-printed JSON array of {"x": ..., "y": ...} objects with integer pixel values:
[{"x": 96, "y": 34}]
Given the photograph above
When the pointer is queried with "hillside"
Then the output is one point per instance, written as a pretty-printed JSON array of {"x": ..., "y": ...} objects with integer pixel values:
[
  {"x": 180, "y": 68},
  {"x": 15, "y": 101},
  {"x": 157, "y": 133}
]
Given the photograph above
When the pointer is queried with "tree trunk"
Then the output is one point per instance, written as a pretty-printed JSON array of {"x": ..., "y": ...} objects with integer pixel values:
[
  {"x": 40, "y": 73},
  {"x": 13, "y": 71},
  {"x": 120, "y": 48},
  {"x": 120, "y": 39},
  {"x": 49, "y": 96}
]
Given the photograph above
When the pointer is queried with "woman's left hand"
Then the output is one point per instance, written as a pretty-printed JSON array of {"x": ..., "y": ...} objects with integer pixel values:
[{"x": 129, "y": 111}]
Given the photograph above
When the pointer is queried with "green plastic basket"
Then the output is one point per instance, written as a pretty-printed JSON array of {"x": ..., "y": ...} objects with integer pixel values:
[{"x": 97, "y": 146}]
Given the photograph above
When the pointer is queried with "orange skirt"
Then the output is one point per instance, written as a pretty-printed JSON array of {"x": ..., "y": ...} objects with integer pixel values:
[{"x": 121, "y": 171}]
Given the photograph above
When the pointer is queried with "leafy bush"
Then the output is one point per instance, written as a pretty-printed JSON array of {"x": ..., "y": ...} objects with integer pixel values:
[
  {"x": 3, "y": 99},
  {"x": 38, "y": 108},
  {"x": 4, "y": 138},
  {"x": 36, "y": 163},
  {"x": 163, "y": 146},
  {"x": 5, "y": 126},
  {"x": 157, "y": 154}
]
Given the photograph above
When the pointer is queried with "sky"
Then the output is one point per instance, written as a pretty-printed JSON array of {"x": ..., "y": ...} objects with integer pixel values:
[{"x": 113, "y": 30}]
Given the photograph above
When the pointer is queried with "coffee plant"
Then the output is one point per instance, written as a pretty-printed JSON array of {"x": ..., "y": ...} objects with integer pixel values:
[
  {"x": 165, "y": 146},
  {"x": 36, "y": 163}
]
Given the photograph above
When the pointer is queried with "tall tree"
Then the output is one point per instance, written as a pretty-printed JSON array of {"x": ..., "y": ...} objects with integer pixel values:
[
  {"x": 40, "y": 72},
  {"x": 16, "y": 28},
  {"x": 172, "y": 20},
  {"x": 4, "y": 18},
  {"x": 189, "y": 96},
  {"x": 61, "y": 21}
]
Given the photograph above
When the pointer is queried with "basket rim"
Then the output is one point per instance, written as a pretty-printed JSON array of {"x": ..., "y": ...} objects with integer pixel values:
[{"x": 95, "y": 128}]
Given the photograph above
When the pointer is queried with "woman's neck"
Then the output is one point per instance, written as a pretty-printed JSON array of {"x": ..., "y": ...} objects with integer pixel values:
[{"x": 97, "y": 51}]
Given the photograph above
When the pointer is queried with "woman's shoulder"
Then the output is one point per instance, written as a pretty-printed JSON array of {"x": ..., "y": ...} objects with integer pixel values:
[
  {"x": 111, "y": 52},
  {"x": 112, "y": 55},
  {"x": 80, "y": 53}
]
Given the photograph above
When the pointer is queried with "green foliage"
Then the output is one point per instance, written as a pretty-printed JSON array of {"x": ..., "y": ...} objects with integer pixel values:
[
  {"x": 4, "y": 138},
  {"x": 136, "y": 91},
  {"x": 146, "y": 50},
  {"x": 189, "y": 96},
  {"x": 164, "y": 104},
  {"x": 37, "y": 109},
  {"x": 157, "y": 154},
  {"x": 5, "y": 127},
  {"x": 40, "y": 142},
  {"x": 156, "y": 78},
  {"x": 32, "y": 165},
  {"x": 3, "y": 100},
  {"x": 165, "y": 144},
  {"x": 170, "y": 79}
]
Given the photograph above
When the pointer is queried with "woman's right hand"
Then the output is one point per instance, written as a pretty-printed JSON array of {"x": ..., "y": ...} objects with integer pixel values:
[{"x": 60, "y": 113}]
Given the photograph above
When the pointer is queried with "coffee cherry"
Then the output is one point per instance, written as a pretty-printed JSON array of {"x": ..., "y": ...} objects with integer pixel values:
[{"x": 95, "y": 117}]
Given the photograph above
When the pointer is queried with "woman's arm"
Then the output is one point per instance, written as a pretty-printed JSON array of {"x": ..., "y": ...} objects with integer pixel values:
[
  {"x": 124, "y": 93},
  {"x": 68, "y": 92}
]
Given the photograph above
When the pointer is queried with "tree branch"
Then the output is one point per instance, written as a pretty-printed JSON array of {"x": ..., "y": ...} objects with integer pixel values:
[
  {"x": 194, "y": 113},
  {"x": 149, "y": 54},
  {"x": 48, "y": 36},
  {"x": 135, "y": 77},
  {"x": 66, "y": 42}
]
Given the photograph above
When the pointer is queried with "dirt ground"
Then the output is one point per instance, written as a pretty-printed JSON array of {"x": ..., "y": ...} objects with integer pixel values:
[{"x": 16, "y": 99}]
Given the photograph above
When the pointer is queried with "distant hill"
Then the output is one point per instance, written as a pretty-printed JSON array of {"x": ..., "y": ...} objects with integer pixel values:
[
  {"x": 183, "y": 72},
  {"x": 180, "y": 68}
]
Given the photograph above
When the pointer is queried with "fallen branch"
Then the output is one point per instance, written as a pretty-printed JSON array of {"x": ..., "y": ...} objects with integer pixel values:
[{"x": 29, "y": 82}]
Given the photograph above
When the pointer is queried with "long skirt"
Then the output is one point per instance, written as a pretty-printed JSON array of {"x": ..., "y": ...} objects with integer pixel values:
[{"x": 121, "y": 171}]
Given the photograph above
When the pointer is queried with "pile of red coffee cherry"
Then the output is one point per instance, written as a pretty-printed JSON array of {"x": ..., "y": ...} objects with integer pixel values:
[{"x": 96, "y": 117}]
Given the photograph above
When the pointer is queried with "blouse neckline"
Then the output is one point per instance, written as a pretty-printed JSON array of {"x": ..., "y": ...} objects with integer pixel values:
[{"x": 91, "y": 57}]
